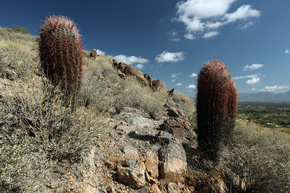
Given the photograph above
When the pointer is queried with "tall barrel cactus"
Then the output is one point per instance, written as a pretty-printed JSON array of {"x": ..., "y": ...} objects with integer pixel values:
[
  {"x": 214, "y": 100},
  {"x": 61, "y": 52},
  {"x": 232, "y": 110}
]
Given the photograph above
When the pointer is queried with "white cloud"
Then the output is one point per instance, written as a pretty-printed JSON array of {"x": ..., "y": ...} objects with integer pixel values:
[
  {"x": 202, "y": 16},
  {"x": 189, "y": 36},
  {"x": 100, "y": 52},
  {"x": 140, "y": 66},
  {"x": 253, "y": 80},
  {"x": 173, "y": 36},
  {"x": 254, "y": 89},
  {"x": 193, "y": 75},
  {"x": 178, "y": 84},
  {"x": 287, "y": 51},
  {"x": 130, "y": 59},
  {"x": 274, "y": 88},
  {"x": 246, "y": 25},
  {"x": 247, "y": 76},
  {"x": 175, "y": 75},
  {"x": 252, "y": 67},
  {"x": 210, "y": 34},
  {"x": 169, "y": 57},
  {"x": 192, "y": 86},
  {"x": 242, "y": 13},
  {"x": 172, "y": 80}
]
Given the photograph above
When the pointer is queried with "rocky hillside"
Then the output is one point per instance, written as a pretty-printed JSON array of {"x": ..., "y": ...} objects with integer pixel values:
[{"x": 124, "y": 134}]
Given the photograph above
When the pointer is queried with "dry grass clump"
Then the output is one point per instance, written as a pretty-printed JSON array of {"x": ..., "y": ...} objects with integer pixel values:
[
  {"x": 102, "y": 82},
  {"x": 23, "y": 165},
  {"x": 7, "y": 33},
  {"x": 259, "y": 158},
  {"x": 18, "y": 57},
  {"x": 58, "y": 131},
  {"x": 132, "y": 94},
  {"x": 188, "y": 105}
]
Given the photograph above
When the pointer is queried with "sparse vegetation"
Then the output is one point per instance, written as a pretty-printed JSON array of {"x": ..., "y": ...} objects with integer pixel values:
[
  {"x": 20, "y": 29},
  {"x": 258, "y": 159},
  {"x": 38, "y": 131}
]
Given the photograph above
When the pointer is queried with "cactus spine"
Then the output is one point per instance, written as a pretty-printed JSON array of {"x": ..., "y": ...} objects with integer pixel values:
[
  {"x": 232, "y": 110},
  {"x": 213, "y": 91},
  {"x": 61, "y": 52}
]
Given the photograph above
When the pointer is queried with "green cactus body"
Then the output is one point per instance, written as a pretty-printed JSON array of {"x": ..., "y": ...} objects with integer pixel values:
[
  {"x": 61, "y": 52},
  {"x": 214, "y": 82}
]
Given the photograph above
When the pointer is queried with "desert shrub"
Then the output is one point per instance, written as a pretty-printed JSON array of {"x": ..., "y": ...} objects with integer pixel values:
[
  {"x": 259, "y": 157},
  {"x": 9, "y": 34},
  {"x": 23, "y": 165},
  {"x": 64, "y": 133},
  {"x": 188, "y": 105},
  {"x": 20, "y": 29},
  {"x": 18, "y": 59},
  {"x": 132, "y": 94},
  {"x": 259, "y": 172}
]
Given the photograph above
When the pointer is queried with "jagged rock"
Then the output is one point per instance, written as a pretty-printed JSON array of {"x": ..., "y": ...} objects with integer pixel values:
[
  {"x": 121, "y": 74},
  {"x": 164, "y": 137},
  {"x": 122, "y": 66},
  {"x": 131, "y": 71},
  {"x": 132, "y": 176},
  {"x": 173, "y": 188},
  {"x": 175, "y": 112},
  {"x": 154, "y": 189},
  {"x": 119, "y": 65},
  {"x": 151, "y": 162},
  {"x": 130, "y": 152},
  {"x": 172, "y": 160},
  {"x": 180, "y": 129},
  {"x": 179, "y": 100},
  {"x": 156, "y": 85},
  {"x": 149, "y": 79}
]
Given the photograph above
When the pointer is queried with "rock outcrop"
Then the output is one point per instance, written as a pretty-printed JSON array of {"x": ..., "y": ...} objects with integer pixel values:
[{"x": 125, "y": 70}]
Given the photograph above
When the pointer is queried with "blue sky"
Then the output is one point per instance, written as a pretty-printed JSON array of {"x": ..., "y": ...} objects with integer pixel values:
[{"x": 171, "y": 40}]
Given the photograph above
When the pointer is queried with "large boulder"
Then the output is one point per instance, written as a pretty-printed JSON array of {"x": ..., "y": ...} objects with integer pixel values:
[
  {"x": 173, "y": 161},
  {"x": 157, "y": 85},
  {"x": 131, "y": 71},
  {"x": 133, "y": 176}
]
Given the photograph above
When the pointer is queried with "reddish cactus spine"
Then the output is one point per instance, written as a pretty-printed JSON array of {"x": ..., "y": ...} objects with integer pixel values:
[
  {"x": 61, "y": 52},
  {"x": 232, "y": 110},
  {"x": 213, "y": 88}
]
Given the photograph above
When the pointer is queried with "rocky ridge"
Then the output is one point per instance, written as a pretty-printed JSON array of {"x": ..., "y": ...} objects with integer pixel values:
[{"x": 141, "y": 154}]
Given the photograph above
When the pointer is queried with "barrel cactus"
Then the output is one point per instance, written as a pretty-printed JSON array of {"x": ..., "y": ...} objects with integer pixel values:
[
  {"x": 232, "y": 110},
  {"x": 212, "y": 107},
  {"x": 61, "y": 52}
]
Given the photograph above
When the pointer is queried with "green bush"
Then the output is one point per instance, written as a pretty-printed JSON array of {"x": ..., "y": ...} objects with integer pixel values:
[{"x": 20, "y": 29}]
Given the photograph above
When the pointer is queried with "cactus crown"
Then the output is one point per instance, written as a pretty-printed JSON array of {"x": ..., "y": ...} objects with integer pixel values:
[{"x": 61, "y": 52}]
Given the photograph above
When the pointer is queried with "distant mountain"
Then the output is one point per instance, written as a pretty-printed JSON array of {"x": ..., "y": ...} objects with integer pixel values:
[{"x": 264, "y": 97}]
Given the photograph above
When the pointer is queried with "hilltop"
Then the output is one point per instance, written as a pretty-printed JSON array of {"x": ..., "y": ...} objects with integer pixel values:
[{"x": 124, "y": 134}]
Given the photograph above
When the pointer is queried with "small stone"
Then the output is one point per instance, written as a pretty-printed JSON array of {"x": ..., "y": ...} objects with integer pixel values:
[
  {"x": 154, "y": 189},
  {"x": 110, "y": 165},
  {"x": 173, "y": 188},
  {"x": 151, "y": 162},
  {"x": 132, "y": 176},
  {"x": 131, "y": 152}
]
